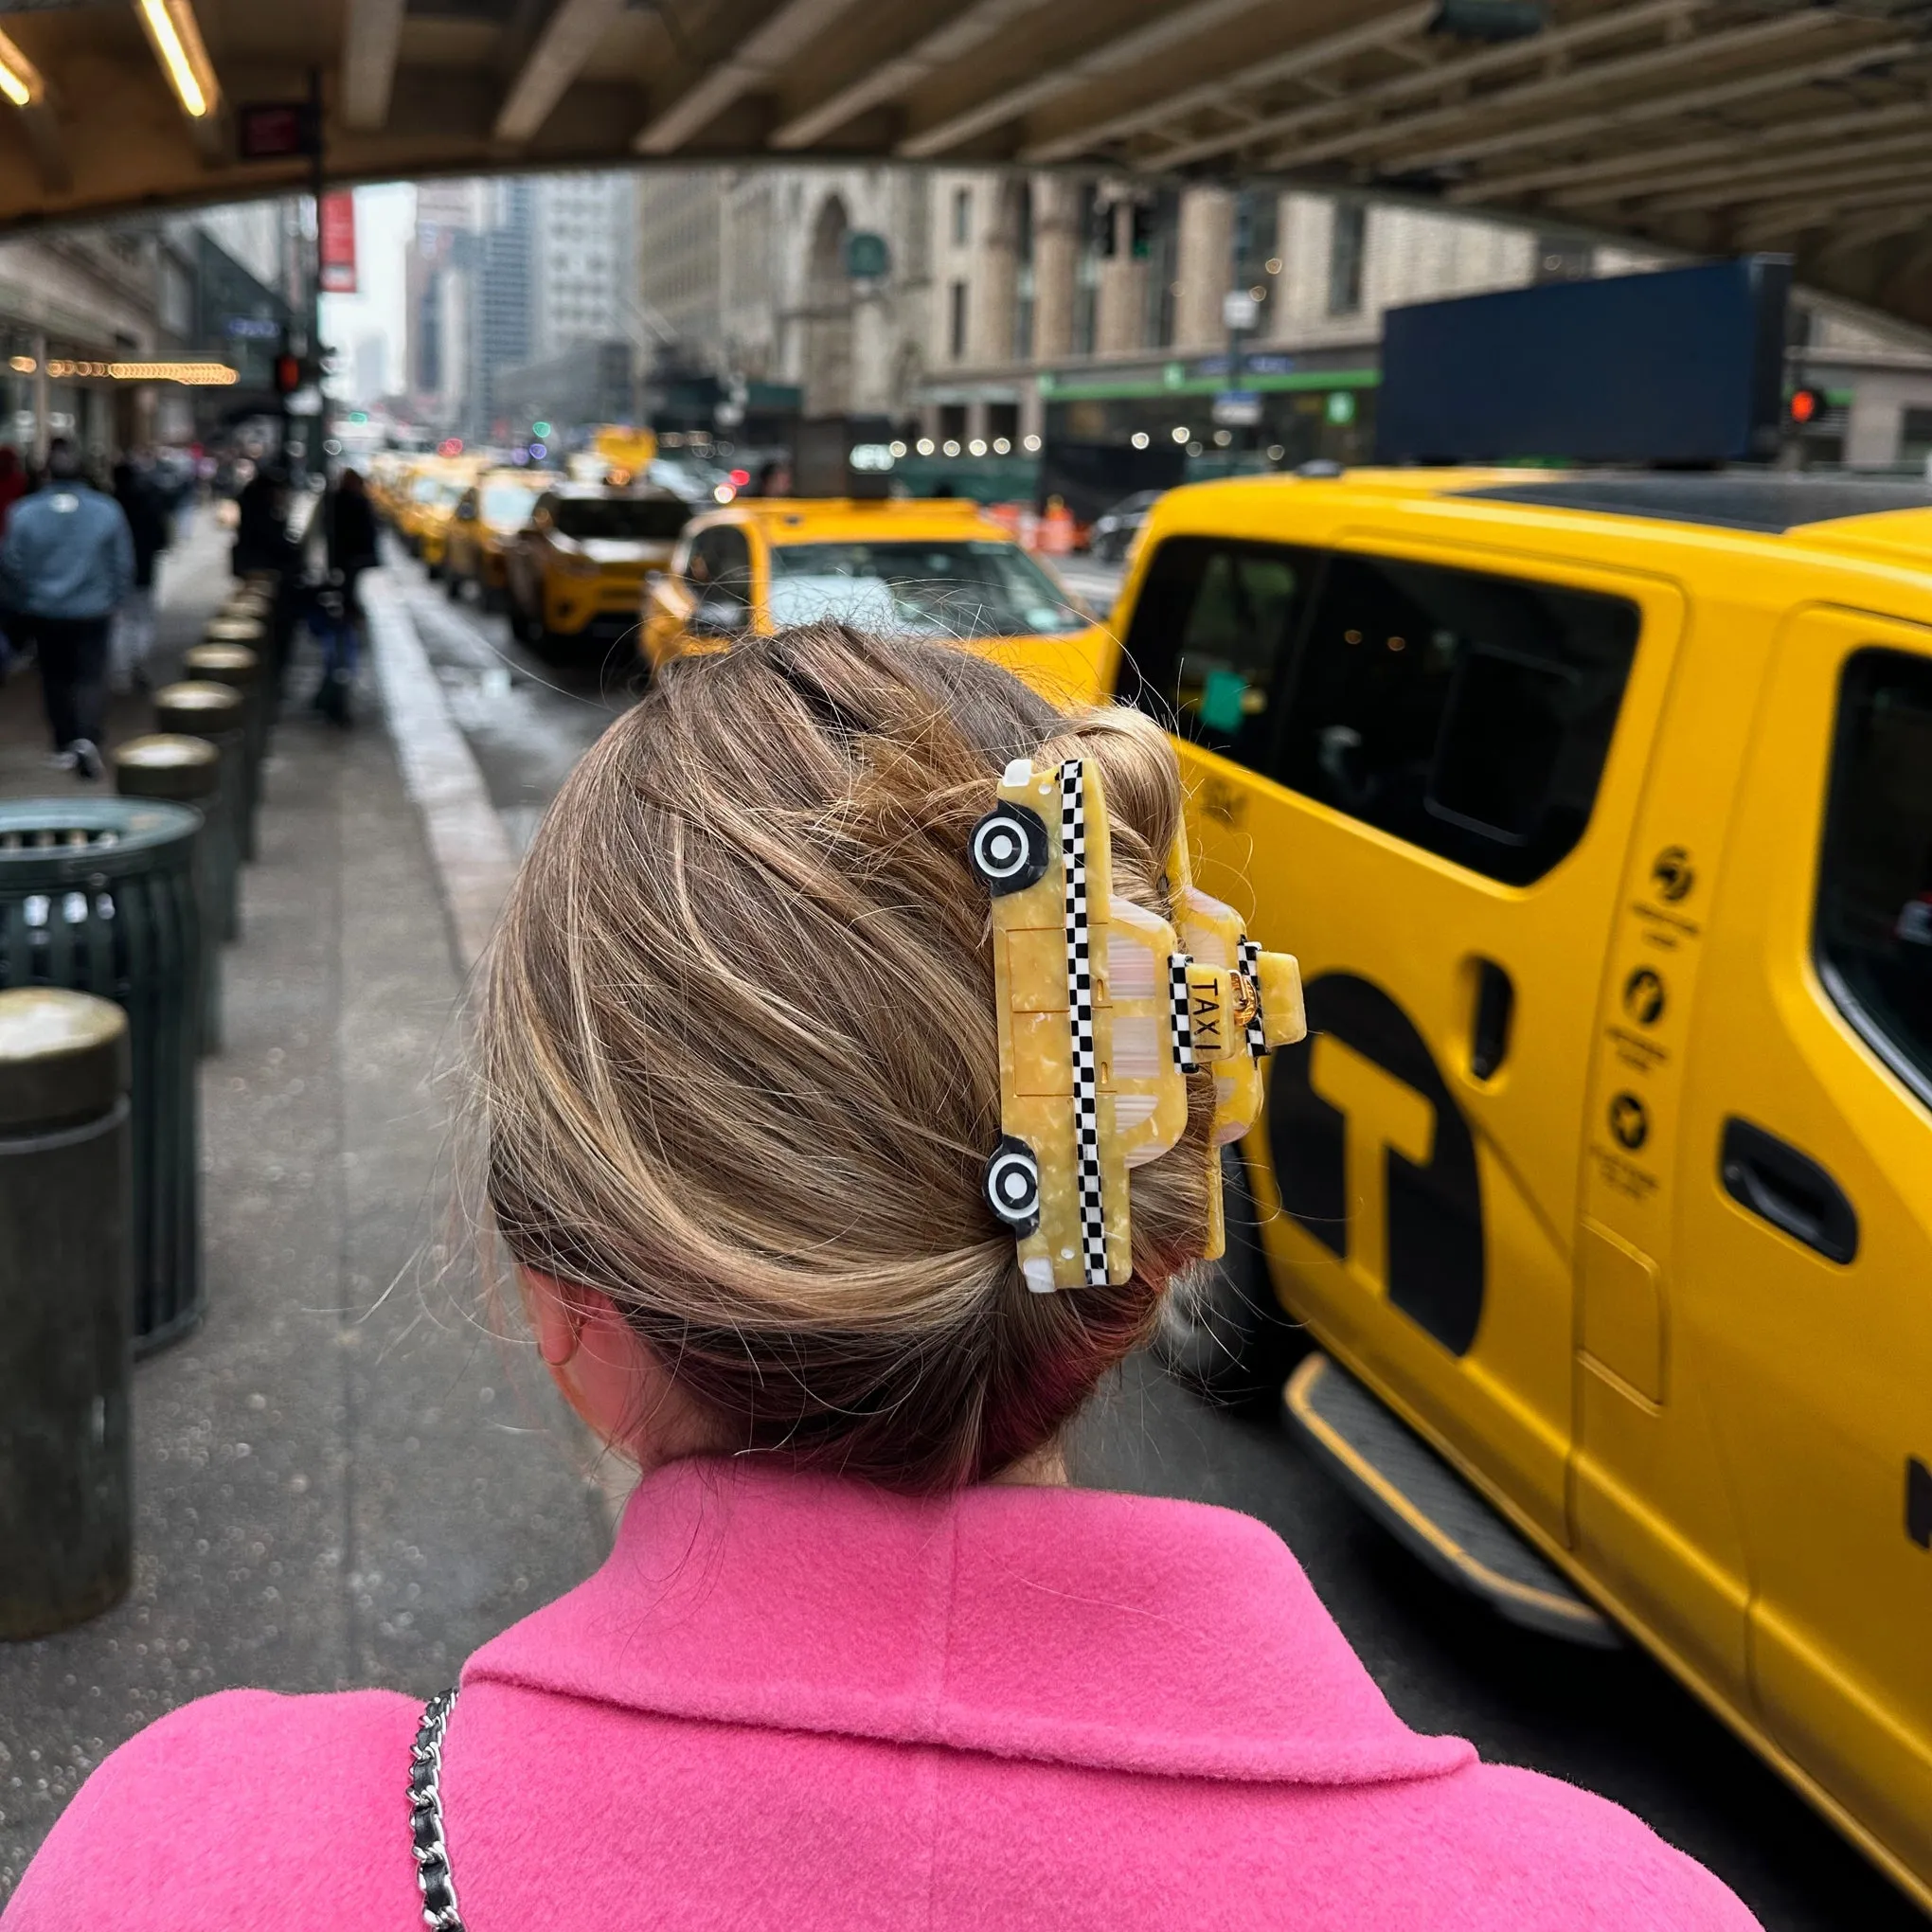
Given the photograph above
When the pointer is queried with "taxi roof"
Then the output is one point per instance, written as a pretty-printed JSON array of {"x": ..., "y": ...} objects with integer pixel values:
[
  {"x": 829, "y": 519},
  {"x": 1885, "y": 519}
]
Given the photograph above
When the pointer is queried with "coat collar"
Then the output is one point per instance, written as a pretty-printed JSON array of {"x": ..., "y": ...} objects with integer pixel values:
[{"x": 1072, "y": 1626}]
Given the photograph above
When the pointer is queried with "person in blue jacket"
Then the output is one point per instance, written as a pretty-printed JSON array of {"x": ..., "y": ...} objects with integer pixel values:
[{"x": 65, "y": 563}]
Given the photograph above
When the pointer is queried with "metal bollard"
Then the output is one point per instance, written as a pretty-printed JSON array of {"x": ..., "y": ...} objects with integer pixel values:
[
  {"x": 197, "y": 709},
  {"x": 239, "y": 667},
  {"x": 97, "y": 895},
  {"x": 66, "y": 1470},
  {"x": 188, "y": 771}
]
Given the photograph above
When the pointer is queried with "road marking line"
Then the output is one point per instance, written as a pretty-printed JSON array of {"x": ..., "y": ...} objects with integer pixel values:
[{"x": 474, "y": 858}]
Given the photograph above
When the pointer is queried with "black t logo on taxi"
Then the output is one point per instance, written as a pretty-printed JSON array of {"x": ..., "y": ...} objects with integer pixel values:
[{"x": 1673, "y": 874}]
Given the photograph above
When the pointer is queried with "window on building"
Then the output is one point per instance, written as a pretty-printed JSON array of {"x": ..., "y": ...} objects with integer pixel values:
[
  {"x": 1345, "y": 240},
  {"x": 1468, "y": 713},
  {"x": 962, "y": 216},
  {"x": 1874, "y": 913},
  {"x": 1212, "y": 633},
  {"x": 956, "y": 321}
]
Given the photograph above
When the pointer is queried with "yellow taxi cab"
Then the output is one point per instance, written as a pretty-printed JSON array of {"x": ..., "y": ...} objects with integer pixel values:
[
  {"x": 574, "y": 573},
  {"x": 1599, "y": 810},
  {"x": 484, "y": 524},
  {"x": 387, "y": 471},
  {"x": 900, "y": 564},
  {"x": 427, "y": 499}
]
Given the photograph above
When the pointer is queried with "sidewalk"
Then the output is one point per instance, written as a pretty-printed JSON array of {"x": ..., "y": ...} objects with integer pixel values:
[{"x": 340, "y": 1478}]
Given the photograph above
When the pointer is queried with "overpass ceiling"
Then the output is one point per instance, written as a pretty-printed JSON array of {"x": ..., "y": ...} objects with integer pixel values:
[{"x": 1707, "y": 125}]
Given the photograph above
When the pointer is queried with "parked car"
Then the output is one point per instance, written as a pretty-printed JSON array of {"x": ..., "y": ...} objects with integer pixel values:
[
  {"x": 1113, "y": 531},
  {"x": 574, "y": 575}
]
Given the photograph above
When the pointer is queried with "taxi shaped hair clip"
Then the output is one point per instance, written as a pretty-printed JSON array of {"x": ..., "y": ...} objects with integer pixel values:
[{"x": 1102, "y": 1015}]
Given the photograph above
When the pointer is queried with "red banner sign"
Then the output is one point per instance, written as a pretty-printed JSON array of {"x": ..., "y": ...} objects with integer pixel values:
[{"x": 338, "y": 243}]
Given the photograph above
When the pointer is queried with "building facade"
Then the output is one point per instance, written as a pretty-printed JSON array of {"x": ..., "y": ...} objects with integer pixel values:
[{"x": 1015, "y": 306}]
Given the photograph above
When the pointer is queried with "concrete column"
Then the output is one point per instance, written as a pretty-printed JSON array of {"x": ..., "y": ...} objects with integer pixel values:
[
  {"x": 996, "y": 280},
  {"x": 1203, "y": 268},
  {"x": 1057, "y": 242},
  {"x": 1121, "y": 300}
]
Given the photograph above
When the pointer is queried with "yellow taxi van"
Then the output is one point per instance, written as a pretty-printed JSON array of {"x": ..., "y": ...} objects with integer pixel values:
[
  {"x": 574, "y": 573},
  {"x": 1598, "y": 812},
  {"x": 939, "y": 566},
  {"x": 487, "y": 519}
]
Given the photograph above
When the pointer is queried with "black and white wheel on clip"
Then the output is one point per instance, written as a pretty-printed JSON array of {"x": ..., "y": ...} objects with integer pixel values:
[
  {"x": 1008, "y": 850},
  {"x": 1012, "y": 1185}
]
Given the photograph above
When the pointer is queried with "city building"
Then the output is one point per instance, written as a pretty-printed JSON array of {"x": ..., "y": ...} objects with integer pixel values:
[{"x": 980, "y": 309}]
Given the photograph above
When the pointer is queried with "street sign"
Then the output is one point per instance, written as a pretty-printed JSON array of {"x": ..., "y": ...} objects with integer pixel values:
[
  {"x": 1238, "y": 310},
  {"x": 338, "y": 242},
  {"x": 1237, "y": 409},
  {"x": 276, "y": 131}
]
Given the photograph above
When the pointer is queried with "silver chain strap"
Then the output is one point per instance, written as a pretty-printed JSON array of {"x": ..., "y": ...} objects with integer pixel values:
[{"x": 426, "y": 1821}]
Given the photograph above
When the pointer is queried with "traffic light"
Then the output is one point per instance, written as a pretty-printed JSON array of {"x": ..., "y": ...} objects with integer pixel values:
[
  {"x": 1806, "y": 406},
  {"x": 287, "y": 373},
  {"x": 1143, "y": 230},
  {"x": 540, "y": 430}
]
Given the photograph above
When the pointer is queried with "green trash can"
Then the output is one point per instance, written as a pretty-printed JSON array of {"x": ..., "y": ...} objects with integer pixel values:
[
  {"x": 97, "y": 895},
  {"x": 188, "y": 771},
  {"x": 67, "y": 1467},
  {"x": 198, "y": 709},
  {"x": 239, "y": 667}
]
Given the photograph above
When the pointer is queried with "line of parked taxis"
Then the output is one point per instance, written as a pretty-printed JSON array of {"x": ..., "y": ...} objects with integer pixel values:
[{"x": 1594, "y": 1216}]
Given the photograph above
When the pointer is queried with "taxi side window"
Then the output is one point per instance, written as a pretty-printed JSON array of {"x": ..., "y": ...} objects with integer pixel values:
[
  {"x": 1210, "y": 633},
  {"x": 1874, "y": 912},
  {"x": 720, "y": 568},
  {"x": 1468, "y": 713}
]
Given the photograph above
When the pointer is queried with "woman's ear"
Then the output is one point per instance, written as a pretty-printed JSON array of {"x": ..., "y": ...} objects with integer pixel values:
[{"x": 557, "y": 1311}]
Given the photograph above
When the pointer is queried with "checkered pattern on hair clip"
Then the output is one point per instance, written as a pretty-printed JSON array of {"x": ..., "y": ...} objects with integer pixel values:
[
  {"x": 1177, "y": 964},
  {"x": 1249, "y": 954},
  {"x": 1079, "y": 1002}
]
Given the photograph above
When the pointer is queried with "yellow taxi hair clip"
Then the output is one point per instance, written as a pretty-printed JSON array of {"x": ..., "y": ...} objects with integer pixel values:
[{"x": 1102, "y": 1015}]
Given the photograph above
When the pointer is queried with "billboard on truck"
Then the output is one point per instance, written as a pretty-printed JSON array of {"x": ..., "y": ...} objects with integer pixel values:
[{"x": 1685, "y": 365}]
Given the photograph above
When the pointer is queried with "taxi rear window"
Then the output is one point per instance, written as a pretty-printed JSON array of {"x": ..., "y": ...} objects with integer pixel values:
[
  {"x": 1466, "y": 711},
  {"x": 633, "y": 519},
  {"x": 1874, "y": 910}
]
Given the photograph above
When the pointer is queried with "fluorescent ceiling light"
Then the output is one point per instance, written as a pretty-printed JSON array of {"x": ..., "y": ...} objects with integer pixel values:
[
  {"x": 177, "y": 40},
  {"x": 20, "y": 79}
]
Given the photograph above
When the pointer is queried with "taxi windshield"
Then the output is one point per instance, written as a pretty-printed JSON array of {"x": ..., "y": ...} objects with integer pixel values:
[
  {"x": 507, "y": 504},
  {"x": 952, "y": 587},
  {"x": 633, "y": 519}
]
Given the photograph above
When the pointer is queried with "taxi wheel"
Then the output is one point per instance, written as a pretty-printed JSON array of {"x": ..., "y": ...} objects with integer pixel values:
[{"x": 1223, "y": 1333}]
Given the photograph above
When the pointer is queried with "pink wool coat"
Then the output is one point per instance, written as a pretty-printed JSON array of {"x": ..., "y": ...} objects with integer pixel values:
[{"x": 792, "y": 1702}]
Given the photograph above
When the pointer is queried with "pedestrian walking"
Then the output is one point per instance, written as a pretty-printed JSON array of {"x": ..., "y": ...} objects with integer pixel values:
[
  {"x": 861, "y": 1656},
  {"x": 66, "y": 562},
  {"x": 349, "y": 530},
  {"x": 134, "y": 626}
]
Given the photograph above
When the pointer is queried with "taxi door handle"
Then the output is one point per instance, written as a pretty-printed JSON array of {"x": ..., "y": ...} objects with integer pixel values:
[
  {"x": 1791, "y": 1191},
  {"x": 1489, "y": 1033}
]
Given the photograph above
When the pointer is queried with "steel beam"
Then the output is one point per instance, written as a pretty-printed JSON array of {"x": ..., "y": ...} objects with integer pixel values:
[
  {"x": 1115, "y": 56},
  {"x": 761, "y": 54},
  {"x": 371, "y": 33},
  {"x": 1484, "y": 110},
  {"x": 1301, "y": 65},
  {"x": 902, "y": 72},
  {"x": 564, "y": 42},
  {"x": 1437, "y": 79},
  {"x": 1665, "y": 107}
]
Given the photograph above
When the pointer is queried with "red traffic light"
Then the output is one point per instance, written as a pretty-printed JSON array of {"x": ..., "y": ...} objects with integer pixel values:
[
  {"x": 1806, "y": 406},
  {"x": 288, "y": 374}
]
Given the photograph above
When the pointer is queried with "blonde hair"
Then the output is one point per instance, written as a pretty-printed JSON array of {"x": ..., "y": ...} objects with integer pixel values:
[{"x": 738, "y": 1067}]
